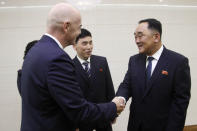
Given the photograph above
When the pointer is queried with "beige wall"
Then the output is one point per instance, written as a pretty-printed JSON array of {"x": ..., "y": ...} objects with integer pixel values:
[{"x": 112, "y": 27}]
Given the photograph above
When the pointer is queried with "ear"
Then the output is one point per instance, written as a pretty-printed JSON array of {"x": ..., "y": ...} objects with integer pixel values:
[
  {"x": 66, "y": 26},
  {"x": 157, "y": 37}
]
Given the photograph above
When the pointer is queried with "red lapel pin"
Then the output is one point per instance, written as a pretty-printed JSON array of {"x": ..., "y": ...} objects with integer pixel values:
[
  {"x": 164, "y": 72},
  {"x": 101, "y": 70}
]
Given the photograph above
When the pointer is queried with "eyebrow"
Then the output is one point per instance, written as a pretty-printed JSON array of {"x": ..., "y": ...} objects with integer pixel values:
[{"x": 138, "y": 33}]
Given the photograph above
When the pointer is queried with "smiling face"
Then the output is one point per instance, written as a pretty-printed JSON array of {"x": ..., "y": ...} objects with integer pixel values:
[
  {"x": 84, "y": 47},
  {"x": 147, "y": 40}
]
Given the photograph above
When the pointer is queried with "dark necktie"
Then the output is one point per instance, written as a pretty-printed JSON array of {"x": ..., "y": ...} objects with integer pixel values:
[
  {"x": 149, "y": 68},
  {"x": 87, "y": 69}
]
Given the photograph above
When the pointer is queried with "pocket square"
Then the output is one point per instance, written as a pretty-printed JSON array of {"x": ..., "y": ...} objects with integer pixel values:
[
  {"x": 101, "y": 70},
  {"x": 164, "y": 72}
]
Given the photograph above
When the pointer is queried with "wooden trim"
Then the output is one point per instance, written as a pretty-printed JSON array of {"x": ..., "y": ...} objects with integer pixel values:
[{"x": 190, "y": 128}]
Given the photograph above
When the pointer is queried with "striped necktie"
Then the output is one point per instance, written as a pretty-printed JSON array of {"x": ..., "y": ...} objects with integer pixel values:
[{"x": 87, "y": 69}]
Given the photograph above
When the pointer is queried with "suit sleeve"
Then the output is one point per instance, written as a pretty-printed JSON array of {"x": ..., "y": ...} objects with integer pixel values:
[
  {"x": 181, "y": 97},
  {"x": 65, "y": 90},
  {"x": 109, "y": 83},
  {"x": 124, "y": 89}
]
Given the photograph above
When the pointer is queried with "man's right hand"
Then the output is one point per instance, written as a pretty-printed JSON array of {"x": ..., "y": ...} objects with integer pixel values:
[{"x": 120, "y": 104}]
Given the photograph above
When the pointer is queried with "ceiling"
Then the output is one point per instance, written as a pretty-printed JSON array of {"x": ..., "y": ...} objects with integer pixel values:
[{"x": 7, "y": 3}]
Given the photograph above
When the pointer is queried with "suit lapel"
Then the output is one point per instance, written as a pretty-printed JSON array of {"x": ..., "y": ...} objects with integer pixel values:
[
  {"x": 80, "y": 69},
  {"x": 157, "y": 71},
  {"x": 92, "y": 68}
]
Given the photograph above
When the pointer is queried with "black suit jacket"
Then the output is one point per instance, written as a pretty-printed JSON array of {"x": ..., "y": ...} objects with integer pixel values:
[
  {"x": 51, "y": 97},
  {"x": 97, "y": 88},
  {"x": 162, "y": 104},
  {"x": 19, "y": 73}
]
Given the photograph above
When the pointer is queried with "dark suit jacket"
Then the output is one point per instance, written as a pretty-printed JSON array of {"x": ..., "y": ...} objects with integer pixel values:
[
  {"x": 19, "y": 73},
  {"x": 162, "y": 104},
  {"x": 51, "y": 98},
  {"x": 99, "y": 87}
]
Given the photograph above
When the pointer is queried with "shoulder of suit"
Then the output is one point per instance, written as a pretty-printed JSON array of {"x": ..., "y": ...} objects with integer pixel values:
[
  {"x": 175, "y": 55},
  {"x": 50, "y": 51},
  {"x": 48, "y": 45},
  {"x": 137, "y": 56},
  {"x": 98, "y": 57}
]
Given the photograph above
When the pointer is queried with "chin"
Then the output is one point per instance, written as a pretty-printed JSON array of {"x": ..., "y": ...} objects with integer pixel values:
[
  {"x": 141, "y": 51},
  {"x": 87, "y": 57}
]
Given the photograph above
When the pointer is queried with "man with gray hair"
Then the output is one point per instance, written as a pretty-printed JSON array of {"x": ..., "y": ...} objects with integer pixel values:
[{"x": 51, "y": 98}]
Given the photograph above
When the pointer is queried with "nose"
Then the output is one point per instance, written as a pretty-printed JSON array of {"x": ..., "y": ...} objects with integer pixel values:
[
  {"x": 88, "y": 45},
  {"x": 137, "y": 40}
]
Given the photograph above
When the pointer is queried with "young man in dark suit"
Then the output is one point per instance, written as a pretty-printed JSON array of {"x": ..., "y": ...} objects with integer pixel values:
[
  {"x": 158, "y": 80},
  {"x": 51, "y": 97},
  {"x": 93, "y": 76}
]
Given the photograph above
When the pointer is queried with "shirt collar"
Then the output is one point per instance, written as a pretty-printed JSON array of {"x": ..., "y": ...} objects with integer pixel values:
[
  {"x": 158, "y": 53},
  {"x": 59, "y": 44},
  {"x": 82, "y": 61}
]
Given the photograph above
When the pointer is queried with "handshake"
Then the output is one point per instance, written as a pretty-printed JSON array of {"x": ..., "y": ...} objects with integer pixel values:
[{"x": 120, "y": 104}]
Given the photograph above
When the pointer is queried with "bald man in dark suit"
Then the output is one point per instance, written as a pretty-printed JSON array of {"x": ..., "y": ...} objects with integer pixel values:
[{"x": 51, "y": 97}]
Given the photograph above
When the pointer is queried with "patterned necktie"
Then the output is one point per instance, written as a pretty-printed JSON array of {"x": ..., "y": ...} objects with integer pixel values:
[
  {"x": 149, "y": 68},
  {"x": 87, "y": 69}
]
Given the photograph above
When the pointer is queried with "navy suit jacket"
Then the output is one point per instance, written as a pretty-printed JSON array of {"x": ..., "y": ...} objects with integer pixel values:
[
  {"x": 51, "y": 98},
  {"x": 97, "y": 88},
  {"x": 161, "y": 104},
  {"x": 19, "y": 73}
]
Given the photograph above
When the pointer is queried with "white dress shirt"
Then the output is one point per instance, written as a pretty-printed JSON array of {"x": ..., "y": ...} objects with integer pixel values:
[
  {"x": 82, "y": 61},
  {"x": 156, "y": 57}
]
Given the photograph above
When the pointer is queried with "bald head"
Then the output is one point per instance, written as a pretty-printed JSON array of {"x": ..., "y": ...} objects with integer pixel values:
[
  {"x": 64, "y": 23},
  {"x": 61, "y": 13}
]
